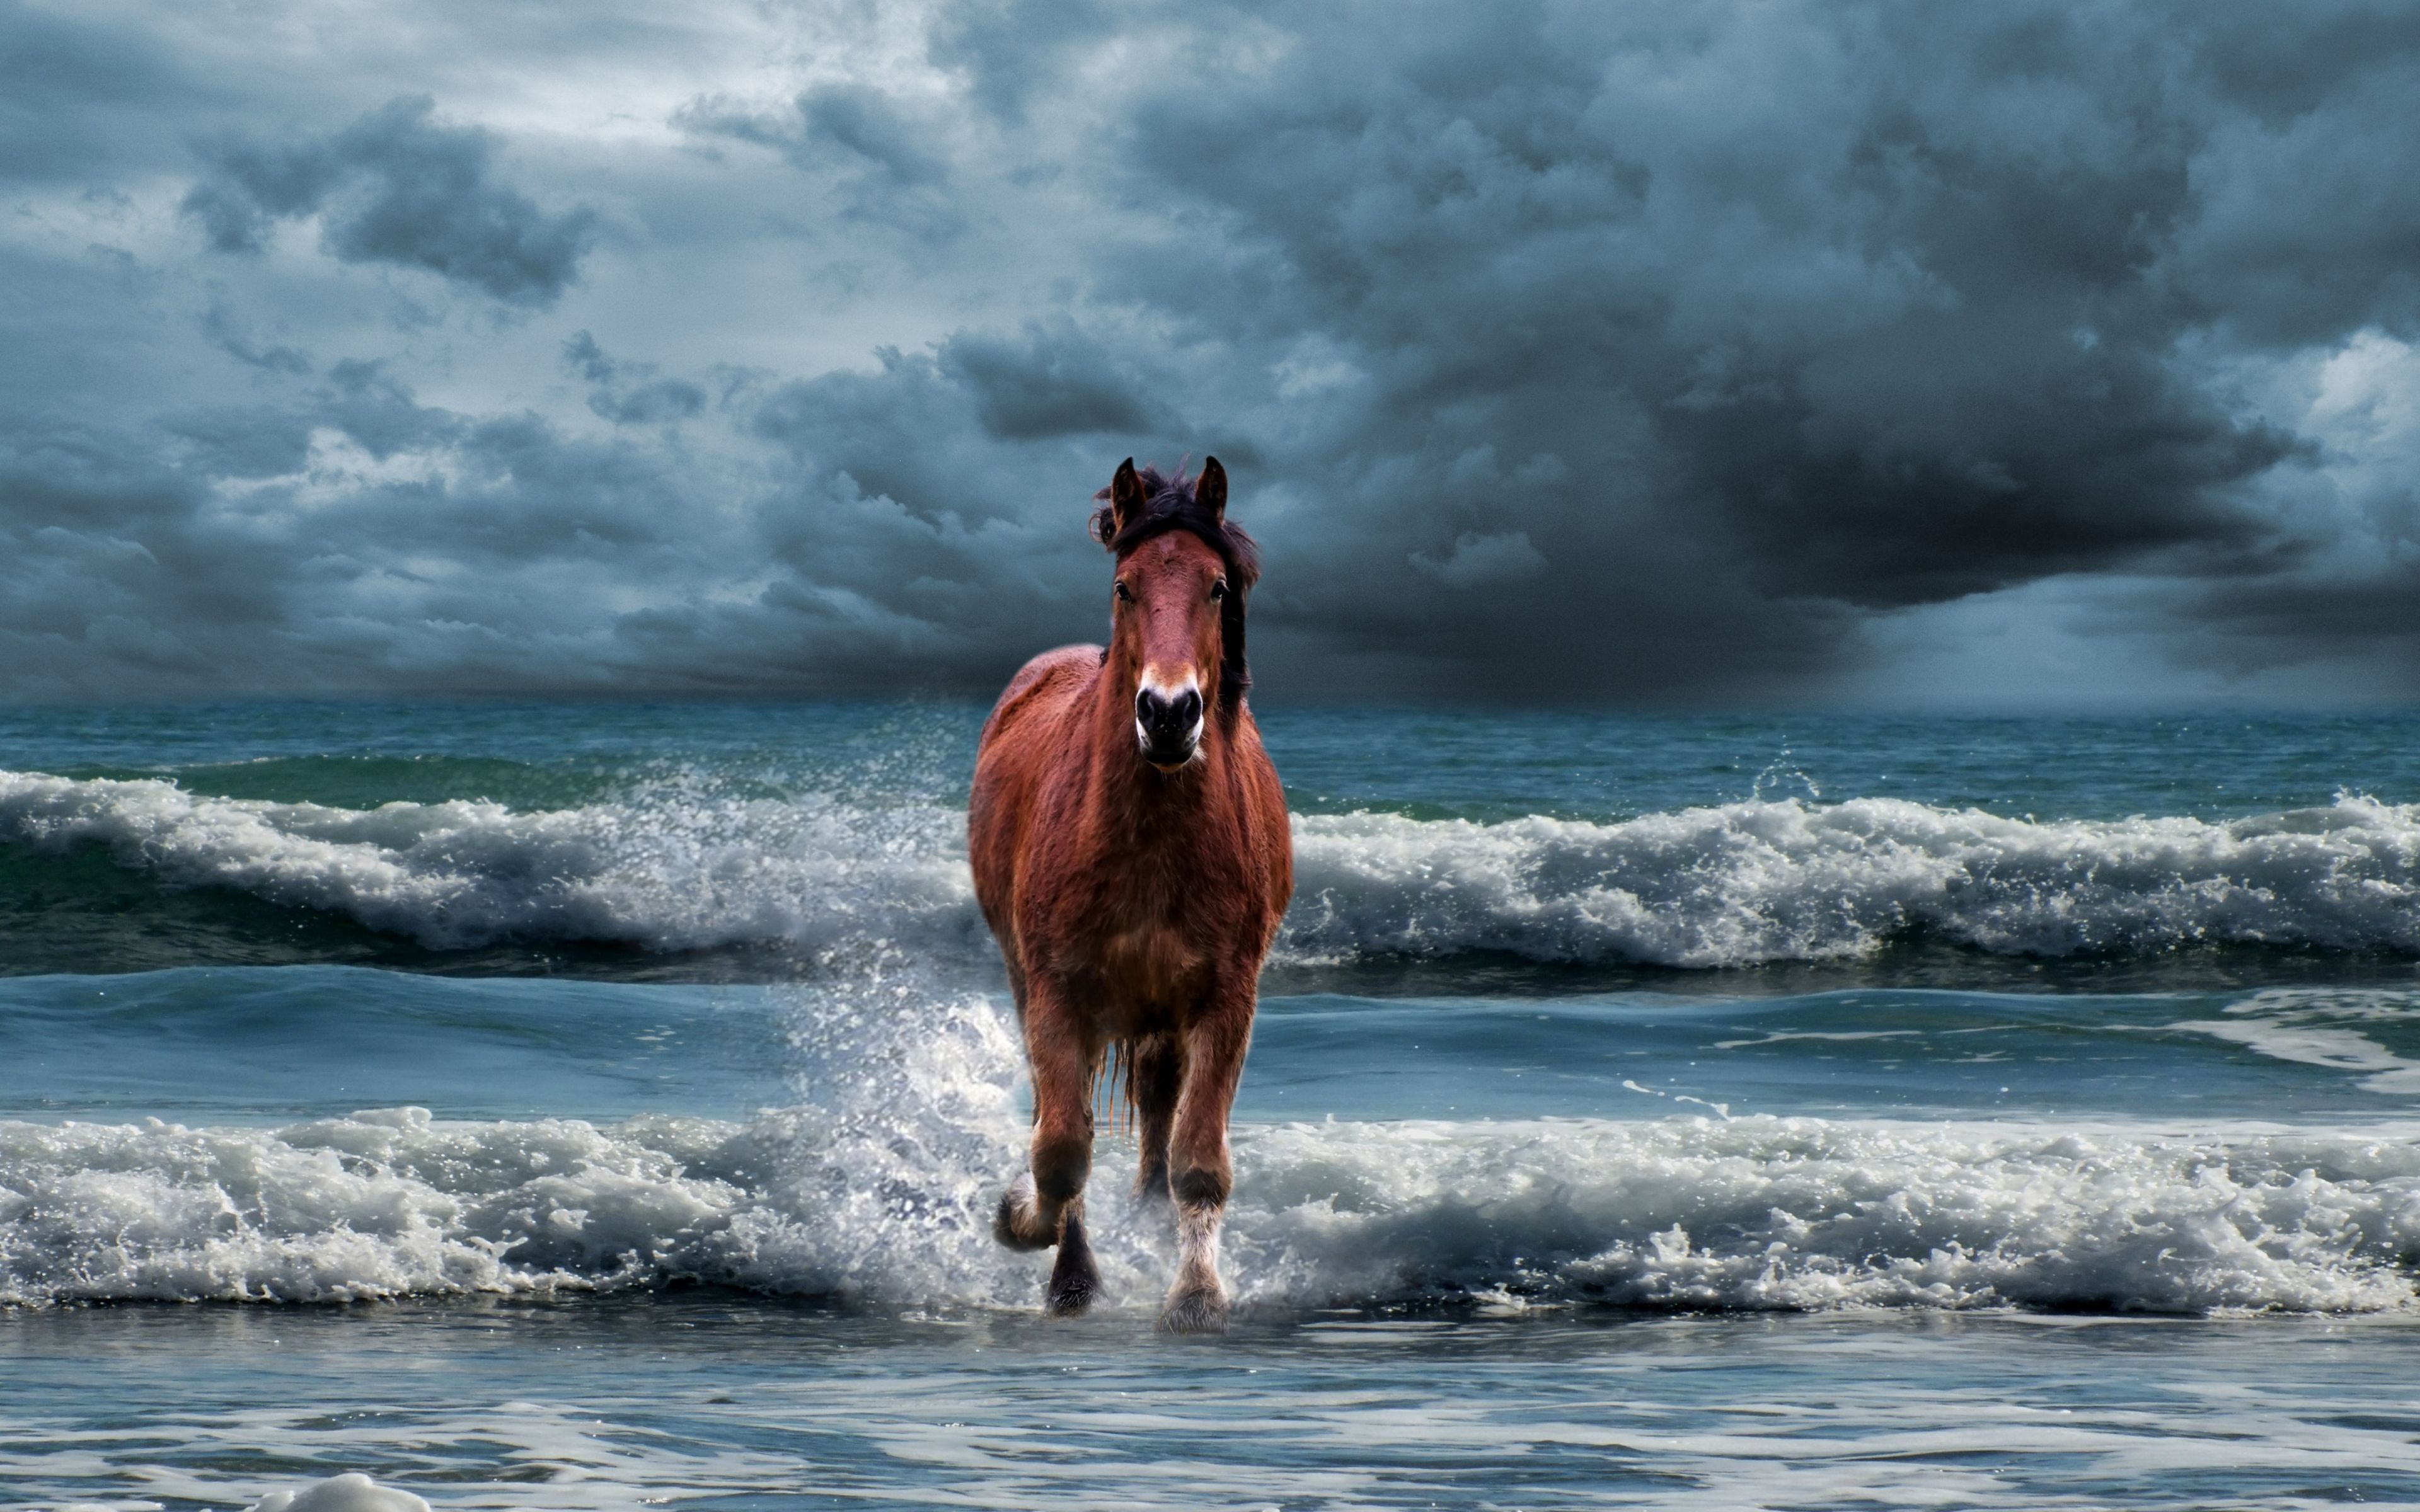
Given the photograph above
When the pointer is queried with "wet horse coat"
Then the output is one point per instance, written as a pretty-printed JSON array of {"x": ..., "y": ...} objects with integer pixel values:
[{"x": 1131, "y": 854}]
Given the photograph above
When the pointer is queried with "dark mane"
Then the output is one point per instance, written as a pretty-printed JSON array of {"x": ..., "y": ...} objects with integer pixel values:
[{"x": 1168, "y": 504}]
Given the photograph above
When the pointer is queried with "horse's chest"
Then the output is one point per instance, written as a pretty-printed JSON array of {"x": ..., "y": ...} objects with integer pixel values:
[{"x": 1151, "y": 965}]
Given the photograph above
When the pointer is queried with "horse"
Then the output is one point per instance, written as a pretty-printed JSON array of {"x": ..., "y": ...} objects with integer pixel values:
[{"x": 1131, "y": 854}]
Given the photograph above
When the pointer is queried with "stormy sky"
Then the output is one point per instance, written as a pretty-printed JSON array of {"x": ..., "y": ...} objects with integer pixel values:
[{"x": 1860, "y": 353}]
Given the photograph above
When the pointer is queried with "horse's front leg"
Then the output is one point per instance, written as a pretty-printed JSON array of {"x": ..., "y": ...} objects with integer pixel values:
[
  {"x": 1199, "y": 1173},
  {"x": 1045, "y": 1206}
]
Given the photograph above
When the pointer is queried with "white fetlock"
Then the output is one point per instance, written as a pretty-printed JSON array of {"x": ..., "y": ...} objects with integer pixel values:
[
  {"x": 1017, "y": 1224},
  {"x": 1195, "y": 1311},
  {"x": 1197, "y": 1304}
]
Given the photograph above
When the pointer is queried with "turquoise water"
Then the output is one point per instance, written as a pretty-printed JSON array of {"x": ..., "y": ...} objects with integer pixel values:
[{"x": 582, "y": 1104}]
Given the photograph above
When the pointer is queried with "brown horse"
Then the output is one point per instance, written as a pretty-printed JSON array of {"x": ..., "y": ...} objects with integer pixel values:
[{"x": 1131, "y": 856}]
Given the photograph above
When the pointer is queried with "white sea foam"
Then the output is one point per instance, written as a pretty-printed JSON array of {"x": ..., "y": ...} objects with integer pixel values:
[
  {"x": 2329, "y": 1027},
  {"x": 1753, "y": 1212},
  {"x": 1733, "y": 885},
  {"x": 674, "y": 870},
  {"x": 350, "y": 1492},
  {"x": 1753, "y": 882},
  {"x": 1799, "y": 1214}
]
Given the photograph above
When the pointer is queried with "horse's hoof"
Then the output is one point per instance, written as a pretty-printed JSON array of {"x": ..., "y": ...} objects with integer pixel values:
[
  {"x": 1074, "y": 1281},
  {"x": 1014, "y": 1225},
  {"x": 1072, "y": 1296},
  {"x": 1195, "y": 1312}
]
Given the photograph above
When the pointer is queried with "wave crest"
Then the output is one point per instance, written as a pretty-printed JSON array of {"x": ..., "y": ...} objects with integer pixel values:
[
  {"x": 1755, "y": 1213},
  {"x": 678, "y": 869},
  {"x": 1747, "y": 883},
  {"x": 1735, "y": 885}
]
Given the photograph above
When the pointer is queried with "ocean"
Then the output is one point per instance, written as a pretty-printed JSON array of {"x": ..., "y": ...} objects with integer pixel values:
[{"x": 571, "y": 1105}]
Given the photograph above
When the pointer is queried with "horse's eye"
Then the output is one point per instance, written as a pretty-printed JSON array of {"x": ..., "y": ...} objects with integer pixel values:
[
  {"x": 1126, "y": 594},
  {"x": 1217, "y": 590}
]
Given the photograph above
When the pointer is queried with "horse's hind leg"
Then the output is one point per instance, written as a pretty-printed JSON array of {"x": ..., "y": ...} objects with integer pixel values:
[
  {"x": 1045, "y": 1206},
  {"x": 1155, "y": 1075}
]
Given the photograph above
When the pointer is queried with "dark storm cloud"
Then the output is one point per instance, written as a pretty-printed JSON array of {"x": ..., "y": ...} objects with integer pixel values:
[
  {"x": 109, "y": 580},
  {"x": 885, "y": 161},
  {"x": 73, "y": 98},
  {"x": 1865, "y": 306},
  {"x": 1046, "y": 384},
  {"x": 843, "y": 126},
  {"x": 398, "y": 186},
  {"x": 1867, "y": 358},
  {"x": 241, "y": 443},
  {"x": 1008, "y": 48},
  {"x": 229, "y": 335},
  {"x": 866, "y": 125},
  {"x": 384, "y": 541},
  {"x": 118, "y": 571},
  {"x": 1661, "y": 350},
  {"x": 627, "y": 396}
]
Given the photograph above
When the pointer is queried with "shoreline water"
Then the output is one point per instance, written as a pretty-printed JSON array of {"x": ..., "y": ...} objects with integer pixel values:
[{"x": 744, "y": 1402}]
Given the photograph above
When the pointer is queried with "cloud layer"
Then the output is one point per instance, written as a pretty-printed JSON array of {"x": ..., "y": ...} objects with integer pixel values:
[
  {"x": 396, "y": 187},
  {"x": 1668, "y": 351}
]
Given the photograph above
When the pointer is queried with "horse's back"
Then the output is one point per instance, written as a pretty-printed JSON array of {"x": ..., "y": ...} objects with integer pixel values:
[{"x": 1048, "y": 682}]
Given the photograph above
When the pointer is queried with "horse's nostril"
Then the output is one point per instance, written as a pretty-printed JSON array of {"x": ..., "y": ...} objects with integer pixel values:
[{"x": 1167, "y": 718}]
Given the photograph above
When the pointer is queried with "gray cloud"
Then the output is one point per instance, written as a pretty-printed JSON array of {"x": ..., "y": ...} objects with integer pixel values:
[
  {"x": 881, "y": 161},
  {"x": 1663, "y": 351},
  {"x": 73, "y": 98},
  {"x": 1881, "y": 307},
  {"x": 629, "y": 397},
  {"x": 398, "y": 186},
  {"x": 229, "y": 335},
  {"x": 1048, "y": 384},
  {"x": 843, "y": 126},
  {"x": 867, "y": 125}
]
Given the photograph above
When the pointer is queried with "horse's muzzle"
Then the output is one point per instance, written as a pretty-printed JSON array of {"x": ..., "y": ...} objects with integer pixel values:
[{"x": 1168, "y": 727}]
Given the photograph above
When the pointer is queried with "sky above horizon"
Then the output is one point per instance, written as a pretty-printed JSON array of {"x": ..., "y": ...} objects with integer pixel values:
[{"x": 2016, "y": 355}]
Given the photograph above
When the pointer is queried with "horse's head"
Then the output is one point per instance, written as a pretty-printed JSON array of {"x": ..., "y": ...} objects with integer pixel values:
[{"x": 1184, "y": 574}]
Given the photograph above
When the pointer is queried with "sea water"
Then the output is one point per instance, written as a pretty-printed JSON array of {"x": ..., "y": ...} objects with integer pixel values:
[{"x": 589, "y": 1105}]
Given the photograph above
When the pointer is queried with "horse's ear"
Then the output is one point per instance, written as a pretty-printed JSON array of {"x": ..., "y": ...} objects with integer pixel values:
[
  {"x": 1210, "y": 488},
  {"x": 1125, "y": 496}
]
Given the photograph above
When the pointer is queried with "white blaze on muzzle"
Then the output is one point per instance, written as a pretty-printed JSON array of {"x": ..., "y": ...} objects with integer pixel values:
[{"x": 1161, "y": 697}]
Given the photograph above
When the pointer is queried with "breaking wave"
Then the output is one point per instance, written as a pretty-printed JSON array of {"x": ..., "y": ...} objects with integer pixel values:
[
  {"x": 1733, "y": 885},
  {"x": 1790, "y": 881},
  {"x": 1753, "y": 1213},
  {"x": 680, "y": 871},
  {"x": 876, "y": 1188}
]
